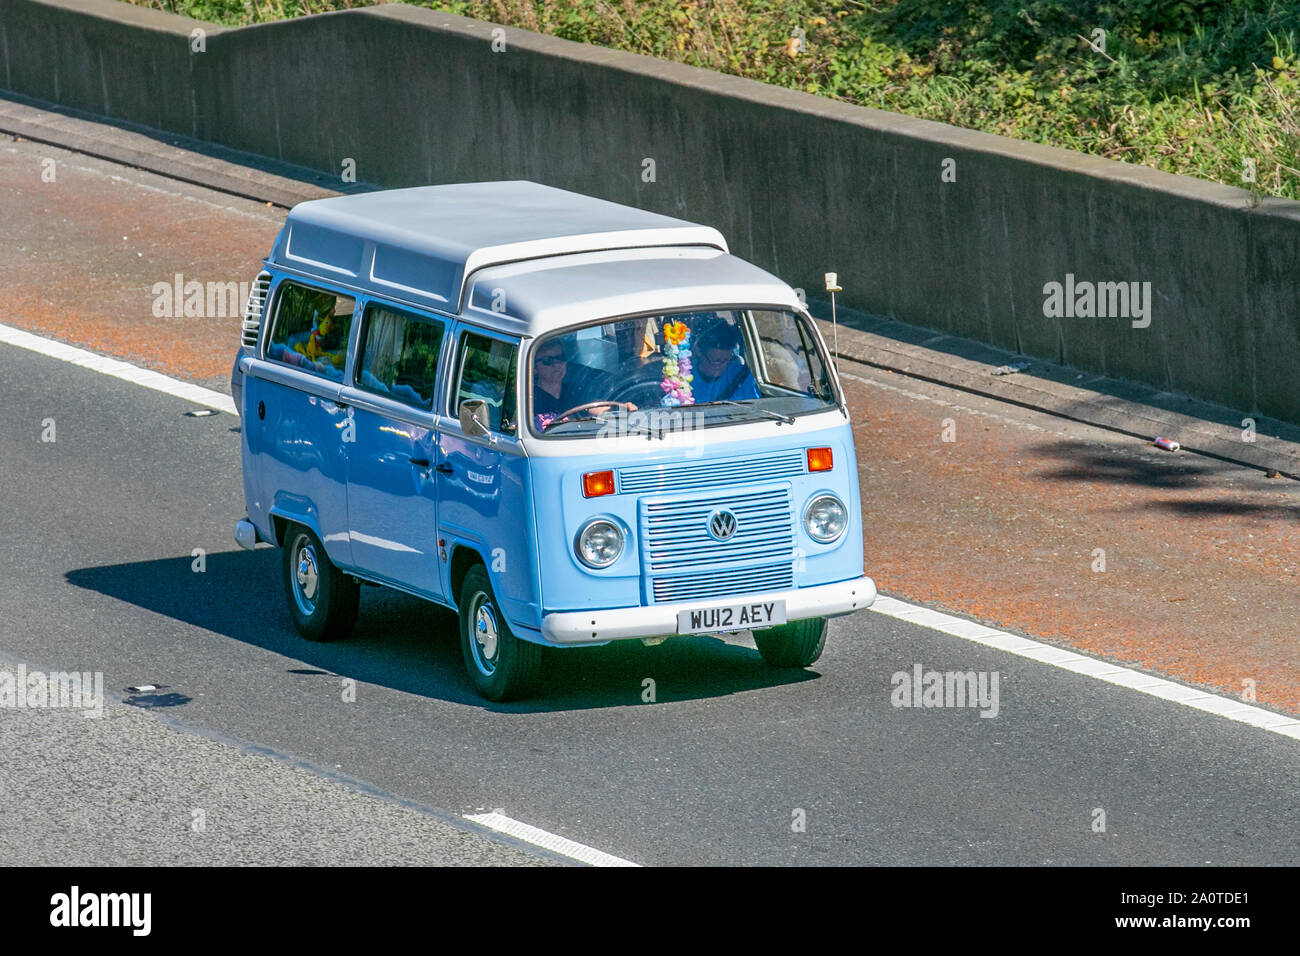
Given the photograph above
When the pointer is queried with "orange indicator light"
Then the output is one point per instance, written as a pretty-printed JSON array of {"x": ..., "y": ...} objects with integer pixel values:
[
  {"x": 597, "y": 483},
  {"x": 820, "y": 459}
]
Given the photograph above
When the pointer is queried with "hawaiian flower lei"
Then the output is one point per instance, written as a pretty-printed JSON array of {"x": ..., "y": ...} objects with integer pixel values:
[{"x": 677, "y": 365}]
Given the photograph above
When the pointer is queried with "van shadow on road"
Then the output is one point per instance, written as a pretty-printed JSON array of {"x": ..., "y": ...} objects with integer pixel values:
[
  {"x": 413, "y": 646},
  {"x": 1209, "y": 479}
]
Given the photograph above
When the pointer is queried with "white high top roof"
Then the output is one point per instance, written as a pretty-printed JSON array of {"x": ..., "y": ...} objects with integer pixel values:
[{"x": 554, "y": 257}]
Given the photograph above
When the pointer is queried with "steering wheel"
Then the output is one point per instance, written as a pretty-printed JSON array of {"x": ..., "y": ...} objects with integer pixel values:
[
  {"x": 587, "y": 406},
  {"x": 645, "y": 393}
]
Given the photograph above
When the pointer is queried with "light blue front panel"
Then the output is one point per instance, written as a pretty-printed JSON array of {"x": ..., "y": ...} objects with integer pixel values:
[
  {"x": 561, "y": 511},
  {"x": 663, "y": 504},
  {"x": 392, "y": 502},
  {"x": 295, "y": 459}
]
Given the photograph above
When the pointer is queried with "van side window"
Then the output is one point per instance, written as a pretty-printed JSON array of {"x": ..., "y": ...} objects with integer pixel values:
[
  {"x": 399, "y": 358},
  {"x": 311, "y": 330},
  {"x": 486, "y": 370}
]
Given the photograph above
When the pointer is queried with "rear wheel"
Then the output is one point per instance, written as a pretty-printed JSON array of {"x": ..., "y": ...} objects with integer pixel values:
[
  {"x": 322, "y": 599},
  {"x": 796, "y": 644},
  {"x": 501, "y": 666}
]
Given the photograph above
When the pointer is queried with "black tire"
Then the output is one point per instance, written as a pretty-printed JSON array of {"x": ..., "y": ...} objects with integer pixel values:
[
  {"x": 796, "y": 644},
  {"x": 501, "y": 666},
  {"x": 322, "y": 599}
]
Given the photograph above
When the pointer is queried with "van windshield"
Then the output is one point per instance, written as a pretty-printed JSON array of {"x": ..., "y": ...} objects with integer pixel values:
[{"x": 686, "y": 369}]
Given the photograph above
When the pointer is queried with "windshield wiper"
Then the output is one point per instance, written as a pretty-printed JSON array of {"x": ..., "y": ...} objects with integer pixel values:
[
  {"x": 784, "y": 419},
  {"x": 622, "y": 417}
]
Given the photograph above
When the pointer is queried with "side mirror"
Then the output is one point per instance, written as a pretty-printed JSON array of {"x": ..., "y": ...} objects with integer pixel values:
[{"x": 474, "y": 417}]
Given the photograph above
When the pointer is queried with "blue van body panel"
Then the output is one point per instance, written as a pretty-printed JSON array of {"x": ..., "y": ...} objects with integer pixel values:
[
  {"x": 297, "y": 446},
  {"x": 392, "y": 506},
  {"x": 485, "y": 502}
]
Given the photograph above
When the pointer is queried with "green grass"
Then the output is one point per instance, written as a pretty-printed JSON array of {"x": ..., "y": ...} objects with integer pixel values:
[{"x": 1195, "y": 88}]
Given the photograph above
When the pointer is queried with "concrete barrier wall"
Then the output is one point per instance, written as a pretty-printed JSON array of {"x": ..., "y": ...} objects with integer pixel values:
[{"x": 798, "y": 184}]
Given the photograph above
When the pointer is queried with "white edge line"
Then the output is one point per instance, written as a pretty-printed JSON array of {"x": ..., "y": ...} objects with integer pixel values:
[
  {"x": 118, "y": 369},
  {"x": 496, "y": 820},
  {"x": 1052, "y": 656}
]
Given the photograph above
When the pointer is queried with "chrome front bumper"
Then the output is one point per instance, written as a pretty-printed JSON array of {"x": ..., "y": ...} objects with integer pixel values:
[{"x": 658, "y": 620}]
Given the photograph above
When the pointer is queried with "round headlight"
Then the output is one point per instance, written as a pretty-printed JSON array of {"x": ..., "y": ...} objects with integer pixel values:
[
  {"x": 825, "y": 518},
  {"x": 600, "y": 543}
]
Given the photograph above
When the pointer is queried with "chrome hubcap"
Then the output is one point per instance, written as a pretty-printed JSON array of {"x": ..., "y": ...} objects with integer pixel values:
[
  {"x": 485, "y": 633},
  {"x": 307, "y": 576}
]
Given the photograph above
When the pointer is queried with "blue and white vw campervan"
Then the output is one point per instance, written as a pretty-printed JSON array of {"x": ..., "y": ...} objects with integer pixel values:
[{"x": 570, "y": 420}]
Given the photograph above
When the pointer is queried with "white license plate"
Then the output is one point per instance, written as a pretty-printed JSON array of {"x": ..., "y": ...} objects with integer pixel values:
[{"x": 732, "y": 617}]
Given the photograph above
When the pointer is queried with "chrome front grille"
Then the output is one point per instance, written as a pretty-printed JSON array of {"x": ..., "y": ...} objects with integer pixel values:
[
  {"x": 689, "y": 587},
  {"x": 681, "y": 559},
  {"x": 725, "y": 471}
]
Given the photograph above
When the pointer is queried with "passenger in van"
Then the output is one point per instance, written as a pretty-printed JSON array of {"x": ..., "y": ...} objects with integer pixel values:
[
  {"x": 719, "y": 373},
  {"x": 636, "y": 344},
  {"x": 638, "y": 363}
]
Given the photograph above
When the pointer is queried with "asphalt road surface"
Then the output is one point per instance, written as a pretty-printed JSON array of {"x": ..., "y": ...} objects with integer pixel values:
[{"x": 98, "y": 531}]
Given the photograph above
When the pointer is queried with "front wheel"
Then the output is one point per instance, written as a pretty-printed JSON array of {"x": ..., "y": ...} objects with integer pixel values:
[
  {"x": 797, "y": 644},
  {"x": 322, "y": 599},
  {"x": 501, "y": 666}
]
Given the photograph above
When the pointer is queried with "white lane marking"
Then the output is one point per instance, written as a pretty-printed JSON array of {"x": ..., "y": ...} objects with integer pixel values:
[
  {"x": 934, "y": 399},
  {"x": 498, "y": 821},
  {"x": 123, "y": 370},
  {"x": 1228, "y": 707}
]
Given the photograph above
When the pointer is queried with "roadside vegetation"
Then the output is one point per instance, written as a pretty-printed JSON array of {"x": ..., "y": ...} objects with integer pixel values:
[{"x": 1208, "y": 89}]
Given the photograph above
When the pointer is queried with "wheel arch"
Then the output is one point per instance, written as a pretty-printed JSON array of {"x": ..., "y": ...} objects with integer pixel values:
[
  {"x": 282, "y": 517},
  {"x": 464, "y": 557}
]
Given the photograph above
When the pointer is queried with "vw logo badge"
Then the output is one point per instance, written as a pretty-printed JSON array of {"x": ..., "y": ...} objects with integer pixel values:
[{"x": 722, "y": 525}]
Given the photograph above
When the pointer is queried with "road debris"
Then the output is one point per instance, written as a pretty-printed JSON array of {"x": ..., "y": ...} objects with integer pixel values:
[
  {"x": 1168, "y": 444},
  {"x": 1011, "y": 369}
]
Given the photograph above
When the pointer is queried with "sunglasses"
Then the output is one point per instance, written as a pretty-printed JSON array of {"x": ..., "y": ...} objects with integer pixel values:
[{"x": 550, "y": 359}]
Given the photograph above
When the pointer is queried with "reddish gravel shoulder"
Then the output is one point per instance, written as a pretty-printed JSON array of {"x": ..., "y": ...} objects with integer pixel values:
[
  {"x": 81, "y": 256},
  {"x": 1201, "y": 557}
]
